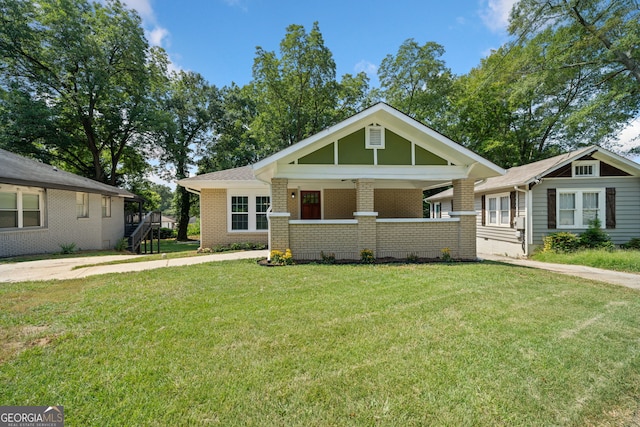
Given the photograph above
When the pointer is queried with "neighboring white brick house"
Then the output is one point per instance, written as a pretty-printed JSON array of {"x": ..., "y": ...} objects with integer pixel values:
[{"x": 42, "y": 208}]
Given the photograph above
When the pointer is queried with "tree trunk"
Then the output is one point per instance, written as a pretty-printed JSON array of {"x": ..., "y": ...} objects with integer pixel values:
[{"x": 184, "y": 200}]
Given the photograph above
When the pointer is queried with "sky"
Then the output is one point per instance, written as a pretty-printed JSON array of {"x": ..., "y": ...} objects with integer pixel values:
[{"x": 218, "y": 38}]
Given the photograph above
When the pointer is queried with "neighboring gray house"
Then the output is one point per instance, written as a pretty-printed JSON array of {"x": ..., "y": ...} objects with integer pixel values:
[
  {"x": 42, "y": 207},
  {"x": 515, "y": 211}
]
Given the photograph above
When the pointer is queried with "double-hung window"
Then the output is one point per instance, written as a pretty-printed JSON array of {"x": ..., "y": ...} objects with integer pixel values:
[
  {"x": 576, "y": 208},
  {"x": 437, "y": 210},
  {"x": 248, "y": 212},
  {"x": 20, "y": 208},
  {"x": 106, "y": 206},
  {"x": 82, "y": 205},
  {"x": 498, "y": 212}
]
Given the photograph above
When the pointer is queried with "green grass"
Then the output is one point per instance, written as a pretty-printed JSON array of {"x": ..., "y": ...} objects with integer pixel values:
[
  {"x": 619, "y": 260},
  {"x": 236, "y": 344}
]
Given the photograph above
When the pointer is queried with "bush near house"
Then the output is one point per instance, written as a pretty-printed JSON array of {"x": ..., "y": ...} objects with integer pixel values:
[{"x": 565, "y": 242}]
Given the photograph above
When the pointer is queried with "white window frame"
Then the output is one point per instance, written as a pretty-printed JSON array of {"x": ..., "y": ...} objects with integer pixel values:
[
  {"x": 367, "y": 138},
  {"x": 252, "y": 211},
  {"x": 595, "y": 171},
  {"x": 498, "y": 211},
  {"x": 106, "y": 206},
  {"x": 579, "y": 209},
  {"x": 19, "y": 192},
  {"x": 437, "y": 210},
  {"x": 84, "y": 205}
]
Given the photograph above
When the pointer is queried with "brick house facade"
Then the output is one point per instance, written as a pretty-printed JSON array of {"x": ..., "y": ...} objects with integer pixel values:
[{"x": 357, "y": 185}]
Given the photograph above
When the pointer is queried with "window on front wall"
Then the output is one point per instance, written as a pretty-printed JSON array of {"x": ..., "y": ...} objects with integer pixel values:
[
  {"x": 20, "y": 209},
  {"x": 262, "y": 204},
  {"x": 576, "y": 208},
  {"x": 498, "y": 212},
  {"x": 239, "y": 213},
  {"x": 249, "y": 212},
  {"x": 106, "y": 206}
]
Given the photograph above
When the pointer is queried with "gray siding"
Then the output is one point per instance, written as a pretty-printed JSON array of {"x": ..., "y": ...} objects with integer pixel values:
[
  {"x": 504, "y": 234},
  {"x": 627, "y": 205}
]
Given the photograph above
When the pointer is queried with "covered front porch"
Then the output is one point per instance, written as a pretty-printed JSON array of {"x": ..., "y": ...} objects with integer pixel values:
[{"x": 345, "y": 217}]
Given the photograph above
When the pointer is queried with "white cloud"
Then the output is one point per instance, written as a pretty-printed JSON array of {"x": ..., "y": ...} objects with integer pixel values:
[
  {"x": 495, "y": 14},
  {"x": 369, "y": 68},
  {"x": 629, "y": 137},
  {"x": 143, "y": 7},
  {"x": 157, "y": 36},
  {"x": 236, "y": 3}
]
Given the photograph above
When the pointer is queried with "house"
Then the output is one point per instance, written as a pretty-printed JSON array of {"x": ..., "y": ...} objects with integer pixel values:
[
  {"x": 168, "y": 222},
  {"x": 356, "y": 185},
  {"x": 563, "y": 193},
  {"x": 42, "y": 208}
]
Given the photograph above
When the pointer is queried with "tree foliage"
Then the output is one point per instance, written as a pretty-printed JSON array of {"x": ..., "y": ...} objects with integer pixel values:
[
  {"x": 190, "y": 107},
  {"x": 417, "y": 82},
  {"x": 297, "y": 93},
  {"x": 75, "y": 78},
  {"x": 596, "y": 41}
]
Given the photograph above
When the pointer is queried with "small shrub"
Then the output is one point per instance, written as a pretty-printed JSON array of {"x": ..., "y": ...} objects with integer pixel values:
[
  {"x": 561, "y": 242},
  {"x": 445, "y": 255},
  {"x": 167, "y": 233},
  {"x": 279, "y": 258},
  {"x": 219, "y": 248},
  {"x": 595, "y": 237},
  {"x": 122, "y": 245},
  {"x": 235, "y": 246},
  {"x": 366, "y": 256},
  {"x": 204, "y": 250},
  {"x": 412, "y": 258},
  {"x": 633, "y": 244},
  {"x": 329, "y": 258},
  {"x": 69, "y": 248},
  {"x": 194, "y": 228}
]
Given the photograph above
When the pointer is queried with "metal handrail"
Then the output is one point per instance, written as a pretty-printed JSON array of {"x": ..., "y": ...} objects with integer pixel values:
[{"x": 141, "y": 231}]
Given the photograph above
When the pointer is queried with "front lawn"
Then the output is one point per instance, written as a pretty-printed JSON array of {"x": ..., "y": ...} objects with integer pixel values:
[
  {"x": 619, "y": 260},
  {"x": 233, "y": 343}
]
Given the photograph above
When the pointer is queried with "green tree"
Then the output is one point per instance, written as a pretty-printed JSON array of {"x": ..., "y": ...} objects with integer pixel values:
[
  {"x": 191, "y": 107},
  {"x": 297, "y": 94},
  {"x": 80, "y": 71},
  {"x": 597, "y": 40},
  {"x": 417, "y": 82}
]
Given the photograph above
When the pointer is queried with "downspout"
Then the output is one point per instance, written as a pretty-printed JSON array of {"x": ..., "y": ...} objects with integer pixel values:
[
  {"x": 525, "y": 238},
  {"x": 269, "y": 210}
]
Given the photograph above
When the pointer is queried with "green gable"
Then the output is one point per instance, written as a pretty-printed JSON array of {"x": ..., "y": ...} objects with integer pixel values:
[
  {"x": 323, "y": 156},
  {"x": 424, "y": 158},
  {"x": 351, "y": 150},
  {"x": 397, "y": 150}
]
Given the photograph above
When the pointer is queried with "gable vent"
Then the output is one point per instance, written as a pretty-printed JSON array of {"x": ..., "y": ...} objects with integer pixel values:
[{"x": 374, "y": 137}]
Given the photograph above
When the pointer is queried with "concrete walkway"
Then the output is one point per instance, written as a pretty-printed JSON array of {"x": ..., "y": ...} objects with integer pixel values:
[
  {"x": 63, "y": 268},
  {"x": 629, "y": 280}
]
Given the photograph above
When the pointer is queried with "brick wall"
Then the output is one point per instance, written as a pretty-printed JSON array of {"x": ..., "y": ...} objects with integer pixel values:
[
  {"x": 62, "y": 226},
  {"x": 398, "y": 203},
  {"x": 424, "y": 239},
  {"x": 339, "y": 203},
  {"x": 308, "y": 240},
  {"x": 213, "y": 222}
]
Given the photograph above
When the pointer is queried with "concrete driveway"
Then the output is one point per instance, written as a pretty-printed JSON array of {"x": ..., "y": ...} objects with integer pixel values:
[{"x": 64, "y": 268}]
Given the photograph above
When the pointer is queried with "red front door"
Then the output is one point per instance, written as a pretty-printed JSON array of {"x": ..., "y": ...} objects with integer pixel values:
[{"x": 310, "y": 205}]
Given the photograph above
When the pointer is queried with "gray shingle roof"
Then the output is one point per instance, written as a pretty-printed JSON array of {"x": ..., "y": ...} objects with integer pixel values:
[
  {"x": 19, "y": 170},
  {"x": 244, "y": 173},
  {"x": 521, "y": 175}
]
